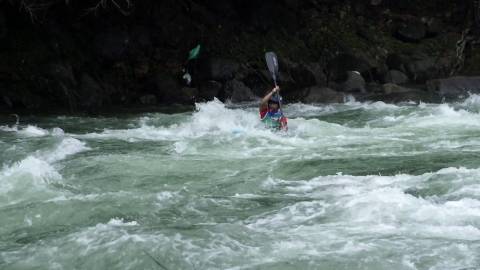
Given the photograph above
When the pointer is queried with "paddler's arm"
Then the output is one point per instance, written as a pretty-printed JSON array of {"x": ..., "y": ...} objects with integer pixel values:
[{"x": 264, "y": 102}]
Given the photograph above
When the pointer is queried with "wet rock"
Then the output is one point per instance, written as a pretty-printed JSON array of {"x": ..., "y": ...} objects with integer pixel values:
[
  {"x": 339, "y": 66},
  {"x": 148, "y": 99},
  {"x": 390, "y": 88},
  {"x": 237, "y": 91},
  {"x": 396, "y": 77},
  {"x": 355, "y": 83},
  {"x": 318, "y": 94},
  {"x": 210, "y": 89},
  {"x": 393, "y": 93},
  {"x": 422, "y": 69},
  {"x": 415, "y": 96},
  {"x": 311, "y": 74},
  {"x": 411, "y": 31},
  {"x": 299, "y": 74},
  {"x": 454, "y": 87},
  {"x": 186, "y": 95}
]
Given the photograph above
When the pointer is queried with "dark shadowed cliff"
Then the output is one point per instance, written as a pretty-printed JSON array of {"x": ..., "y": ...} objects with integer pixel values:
[{"x": 94, "y": 55}]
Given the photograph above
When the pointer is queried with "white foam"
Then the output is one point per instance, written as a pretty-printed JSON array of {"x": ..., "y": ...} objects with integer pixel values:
[
  {"x": 30, "y": 174},
  {"x": 33, "y": 131},
  {"x": 121, "y": 222},
  {"x": 379, "y": 200},
  {"x": 67, "y": 147}
]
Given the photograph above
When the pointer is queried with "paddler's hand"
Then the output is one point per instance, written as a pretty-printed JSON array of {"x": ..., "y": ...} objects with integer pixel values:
[{"x": 275, "y": 89}]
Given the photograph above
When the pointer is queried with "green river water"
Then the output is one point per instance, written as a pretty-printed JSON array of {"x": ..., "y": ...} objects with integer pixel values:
[{"x": 349, "y": 186}]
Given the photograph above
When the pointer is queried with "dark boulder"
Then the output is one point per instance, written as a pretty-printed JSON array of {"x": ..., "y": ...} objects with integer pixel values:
[
  {"x": 394, "y": 93},
  {"x": 411, "y": 31},
  {"x": 318, "y": 73},
  {"x": 423, "y": 69},
  {"x": 299, "y": 75},
  {"x": 339, "y": 66},
  {"x": 318, "y": 94},
  {"x": 454, "y": 87},
  {"x": 210, "y": 89},
  {"x": 186, "y": 95},
  {"x": 396, "y": 77},
  {"x": 237, "y": 91},
  {"x": 354, "y": 83},
  {"x": 392, "y": 88}
]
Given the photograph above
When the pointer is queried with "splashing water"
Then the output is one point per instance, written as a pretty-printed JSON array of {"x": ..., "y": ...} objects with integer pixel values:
[{"x": 349, "y": 186}]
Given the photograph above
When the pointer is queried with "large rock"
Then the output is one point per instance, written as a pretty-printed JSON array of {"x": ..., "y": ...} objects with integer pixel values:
[
  {"x": 411, "y": 31},
  {"x": 318, "y": 94},
  {"x": 455, "y": 87},
  {"x": 210, "y": 89},
  {"x": 301, "y": 74},
  {"x": 393, "y": 93},
  {"x": 167, "y": 89},
  {"x": 355, "y": 83},
  {"x": 318, "y": 73},
  {"x": 422, "y": 70},
  {"x": 338, "y": 67},
  {"x": 395, "y": 76},
  {"x": 237, "y": 91},
  {"x": 186, "y": 95},
  {"x": 391, "y": 88}
]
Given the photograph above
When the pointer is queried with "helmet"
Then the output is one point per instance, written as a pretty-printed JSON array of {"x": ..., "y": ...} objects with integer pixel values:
[{"x": 275, "y": 99}]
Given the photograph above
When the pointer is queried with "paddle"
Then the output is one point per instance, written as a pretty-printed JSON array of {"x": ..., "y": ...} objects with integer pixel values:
[{"x": 272, "y": 64}]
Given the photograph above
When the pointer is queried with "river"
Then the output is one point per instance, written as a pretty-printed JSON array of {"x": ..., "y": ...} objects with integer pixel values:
[{"x": 360, "y": 185}]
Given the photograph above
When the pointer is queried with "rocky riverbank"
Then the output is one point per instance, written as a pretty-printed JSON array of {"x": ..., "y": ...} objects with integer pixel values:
[{"x": 91, "y": 56}]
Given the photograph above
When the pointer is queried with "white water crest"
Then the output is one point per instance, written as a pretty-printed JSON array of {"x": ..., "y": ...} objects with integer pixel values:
[{"x": 358, "y": 185}]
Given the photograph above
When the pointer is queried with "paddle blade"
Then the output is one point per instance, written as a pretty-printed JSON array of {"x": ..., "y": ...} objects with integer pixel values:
[
  {"x": 272, "y": 64},
  {"x": 193, "y": 54}
]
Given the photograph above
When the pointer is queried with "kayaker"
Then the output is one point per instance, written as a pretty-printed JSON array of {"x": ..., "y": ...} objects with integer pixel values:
[{"x": 270, "y": 111}]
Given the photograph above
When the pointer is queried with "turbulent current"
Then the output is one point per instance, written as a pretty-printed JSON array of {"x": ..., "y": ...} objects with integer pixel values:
[{"x": 349, "y": 186}]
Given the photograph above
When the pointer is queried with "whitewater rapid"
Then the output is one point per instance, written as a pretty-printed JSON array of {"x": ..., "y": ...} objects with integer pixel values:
[{"x": 359, "y": 185}]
